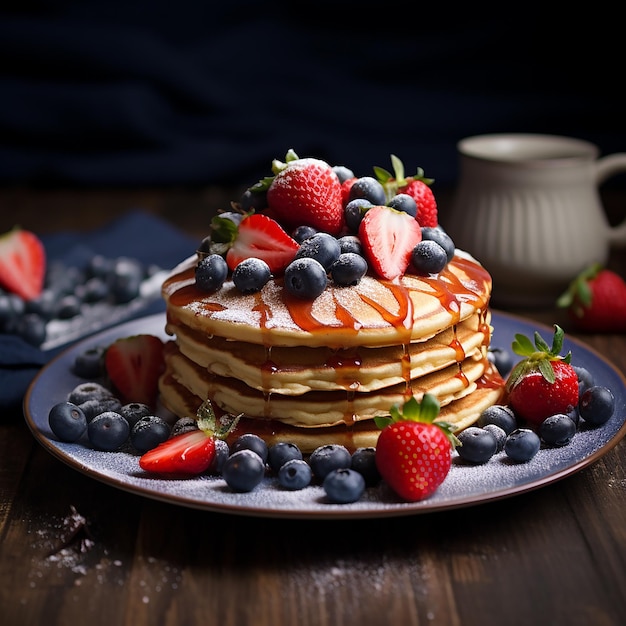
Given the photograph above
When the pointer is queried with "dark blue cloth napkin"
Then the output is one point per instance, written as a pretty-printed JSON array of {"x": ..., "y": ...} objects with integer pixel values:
[{"x": 137, "y": 234}]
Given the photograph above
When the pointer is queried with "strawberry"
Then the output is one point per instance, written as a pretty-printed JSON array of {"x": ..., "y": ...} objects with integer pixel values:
[
  {"x": 413, "y": 452},
  {"x": 260, "y": 236},
  {"x": 417, "y": 186},
  {"x": 22, "y": 263},
  {"x": 596, "y": 301},
  {"x": 424, "y": 198},
  {"x": 191, "y": 452},
  {"x": 306, "y": 192},
  {"x": 345, "y": 190},
  {"x": 544, "y": 383},
  {"x": 133, "y": 365},
  {"x": 388, "y": 238}
]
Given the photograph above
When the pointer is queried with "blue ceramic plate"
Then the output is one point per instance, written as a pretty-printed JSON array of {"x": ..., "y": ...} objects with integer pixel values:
[{"x": 464, "y": 486}]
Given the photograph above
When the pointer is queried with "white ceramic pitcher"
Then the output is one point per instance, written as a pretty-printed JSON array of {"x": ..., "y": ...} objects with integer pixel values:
[{"x": 528, "y": 208}]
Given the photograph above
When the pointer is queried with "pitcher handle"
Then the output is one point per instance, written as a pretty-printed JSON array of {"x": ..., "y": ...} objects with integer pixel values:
[{"x": 606, "y": 167}]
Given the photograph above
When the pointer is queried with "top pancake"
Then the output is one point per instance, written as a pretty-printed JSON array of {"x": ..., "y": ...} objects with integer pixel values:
[{"x": 373, "y": 313}]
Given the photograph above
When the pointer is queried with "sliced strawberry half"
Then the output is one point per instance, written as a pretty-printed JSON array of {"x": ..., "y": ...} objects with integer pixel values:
[
  {"x": 134, "y": 365},
  {"x": 190, "y": 453},
  {"x": 388, "y": 238},
  {"x": 263, "y": 237},
  {"x": 22, "y": 263},
  {"x": 187, "y": 453}
]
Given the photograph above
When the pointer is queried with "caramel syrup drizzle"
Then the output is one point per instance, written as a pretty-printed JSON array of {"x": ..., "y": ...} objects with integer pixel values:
[{"x": 447, "y": 287}]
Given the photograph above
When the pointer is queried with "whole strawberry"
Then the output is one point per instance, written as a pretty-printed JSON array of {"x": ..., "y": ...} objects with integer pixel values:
[
  {"x": 192, "y": 452},
  {"x": 413, "y": 452},
  {"x": 417, "y": 186},
  {"x": 544, "y": 383},
  {"x": 306, "y": 192},
  {"x": 596, "y": 301}
]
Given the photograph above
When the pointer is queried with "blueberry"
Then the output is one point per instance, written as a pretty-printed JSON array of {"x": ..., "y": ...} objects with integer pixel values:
[
  {"x": 364, "y": 461},
  {"x": 253, "y": 199},
  {"x": 343, "y": 173},
  {"x": 295, "y": 474},
  {"x": 350, "y": 243},
  {"x": 348, "y": 269},
  {"x": 222, "y": 452},
  {"x": 108, "y": 431},
  {"x": 94, "y": 290},
  {"x": 557, "y": 430},
  {"x": 281, "y": 452},
  {"x": 328, "y": 457},
  {"x": 134, "y": 411},
  {"x": 149, "y": 432},
  {"x": 500, "y": 415},
  {"x": 305, "y": 278},
  {"x": 343, "y": 485},
  {"x": 90, "y": 363},
  {"x": 211, "y": 272},
  {"x": 88, "y": 391},
  {"x": 9, "y": 313},
  {"x": 250, "y": 441},
  {"x": 502, "y": 360},
  {"x": 428, "y": 257},
  {"x": 369, "y": 188},
  {"x": 95, "y": 406},
  {"x": 322, "y": 247},
  {"x": 585, "y": 379},
  {"x": 31, "y": 327},
  {"x": 125, "y": 279},
  {"x": 596, "y": 405},
  {"x": 498, "y": 433},
  {"x": 67, "y": 421},
  {"x": 405, "y": 203},
  {"x": 436, "y": 233},
  {"x": 183, "y": 425},
  {"x": 522, "y": 445},
  {"x": 477, "y": 445},
  {"x": 68, "y": 306},
  {"x": 251, "y": 274},
  {"x": 354, "y": 212},
  {"x": 243, "y": 470},
  {"x": 303, "y": 232},
  {"x": 45, "y": 304}
]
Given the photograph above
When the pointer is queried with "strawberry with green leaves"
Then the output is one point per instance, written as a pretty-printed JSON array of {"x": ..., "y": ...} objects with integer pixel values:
[
  {"x": 305, "y": 192},
  {"x": 192, "y": 452},
  {"x": 414, "y": 452},
  {"x": 388, "y": 238},
  {"x": 417, "y": 186},
  {"x": 596, "y": 301},
  {"x": 22, "y": 263},
  {"x": 544, "y": 383},
  {"x": 133, "y": 365}
]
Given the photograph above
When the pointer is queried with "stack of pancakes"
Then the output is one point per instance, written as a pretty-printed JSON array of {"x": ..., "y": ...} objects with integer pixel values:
[{"x": 318, "y": 372}]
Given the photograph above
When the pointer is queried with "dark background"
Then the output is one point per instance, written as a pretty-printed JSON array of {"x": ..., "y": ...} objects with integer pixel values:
[{"x": 136, "y": 93}]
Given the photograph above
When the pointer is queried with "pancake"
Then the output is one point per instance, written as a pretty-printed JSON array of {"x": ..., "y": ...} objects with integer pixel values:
[
  {"x": 461, "y": 413},
  {"x": 322, "y": 408},
  {"x": 373, "y": 313},
  {"x": 316, "y": 363},
  {"x": 286, "y": 371}
]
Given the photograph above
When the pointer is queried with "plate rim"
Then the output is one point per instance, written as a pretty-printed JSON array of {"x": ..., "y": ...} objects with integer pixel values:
[{"x": 322, "y": 510}]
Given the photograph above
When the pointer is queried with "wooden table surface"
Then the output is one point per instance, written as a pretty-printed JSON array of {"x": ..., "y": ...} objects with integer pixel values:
[{"x": 555, "y": 555}]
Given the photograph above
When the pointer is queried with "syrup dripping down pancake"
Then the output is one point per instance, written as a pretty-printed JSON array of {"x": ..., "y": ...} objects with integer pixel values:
[
  {"x": 292, "y": 371},
  {"x": 373, "y": 313}
]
